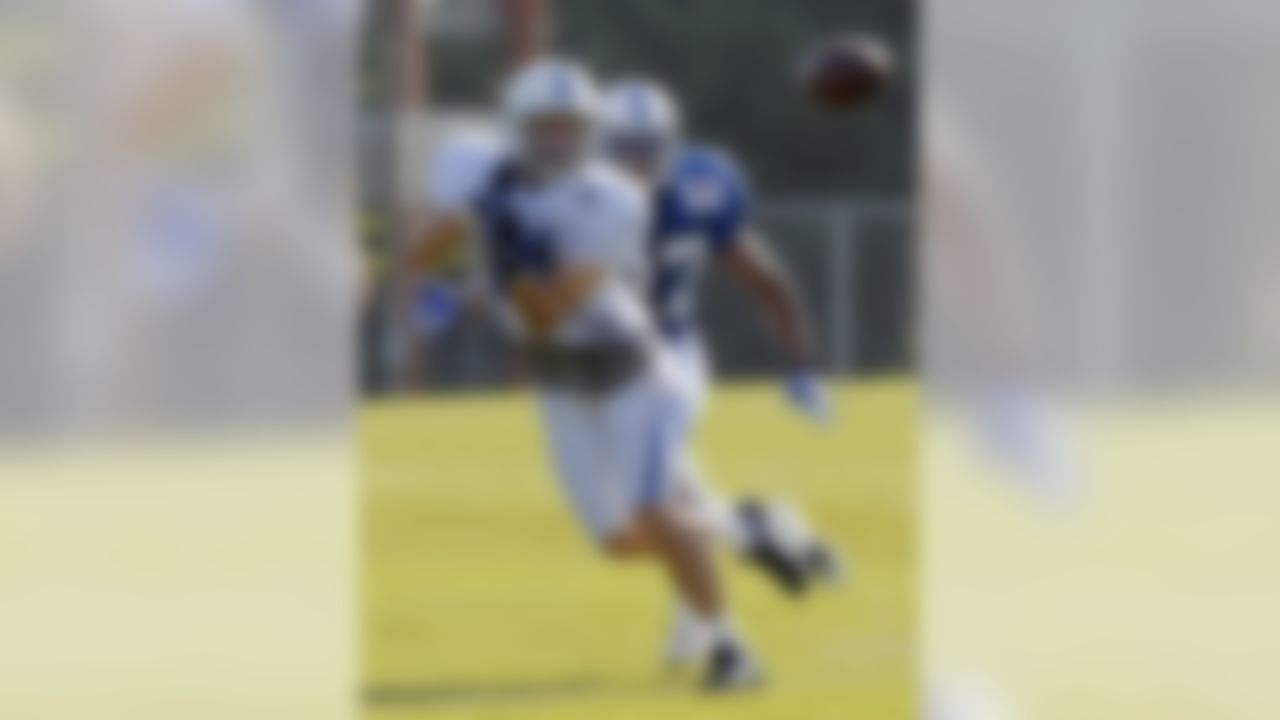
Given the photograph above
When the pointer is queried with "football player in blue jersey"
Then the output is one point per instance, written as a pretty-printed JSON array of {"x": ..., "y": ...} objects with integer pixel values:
[
  {"x": 702, "y": 217},
  {"x": 702, "y": 208}
]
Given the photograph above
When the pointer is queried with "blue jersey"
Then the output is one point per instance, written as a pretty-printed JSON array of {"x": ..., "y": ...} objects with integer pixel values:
[{"x": 701, "y": 209}]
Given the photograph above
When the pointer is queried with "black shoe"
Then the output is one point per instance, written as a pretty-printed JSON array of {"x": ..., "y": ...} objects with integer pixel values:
[
  {"x": 787, "y": 571},
  {"x": 731, "y": 668},
  {"x": 823, "y": 563}
]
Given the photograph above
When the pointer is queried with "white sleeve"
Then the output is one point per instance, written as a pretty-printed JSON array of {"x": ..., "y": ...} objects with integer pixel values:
[{"x": 458, "y": 172}]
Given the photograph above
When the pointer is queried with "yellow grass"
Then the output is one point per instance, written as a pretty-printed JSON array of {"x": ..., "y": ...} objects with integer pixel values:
[{"x": 483, "y": 599}]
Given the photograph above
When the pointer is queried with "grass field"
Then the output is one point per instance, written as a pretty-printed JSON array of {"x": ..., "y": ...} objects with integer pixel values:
[{"x": 482, "y": 599}]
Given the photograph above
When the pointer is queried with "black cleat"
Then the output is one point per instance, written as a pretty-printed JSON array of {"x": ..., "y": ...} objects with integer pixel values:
[
  {"x": 731, "y": 668},
  {"x": 789, "y": 572},
  {"x": 821, "y": 562}
]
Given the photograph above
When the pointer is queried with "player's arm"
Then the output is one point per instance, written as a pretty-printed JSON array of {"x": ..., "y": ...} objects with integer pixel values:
[
  {"x": 747, "y": 259},
  {"x": 546, "y": 301},
  {"x": 458, "y": 172},
  {"x": 750, "y": 262},
  {"x": 755, "y": 268},
  {"x": 609, "y": 229},
  {"x": 441, "y": 241}
]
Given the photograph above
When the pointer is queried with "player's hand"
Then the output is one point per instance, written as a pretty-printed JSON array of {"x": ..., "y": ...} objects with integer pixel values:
[
  {"x": 808, "y": 395},
  {"x": 439, "y": 306}
]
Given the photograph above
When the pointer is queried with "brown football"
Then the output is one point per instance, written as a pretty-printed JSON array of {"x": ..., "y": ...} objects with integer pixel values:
[{"x": 846, "y": 72}]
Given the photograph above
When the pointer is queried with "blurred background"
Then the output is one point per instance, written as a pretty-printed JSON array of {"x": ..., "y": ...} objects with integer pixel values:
[
  {"x": 1098, "y": 435},
  {"x": 181, "y": 249},
  {"x": 833, "y": 191},
  {"x": 177, "y": 279}
]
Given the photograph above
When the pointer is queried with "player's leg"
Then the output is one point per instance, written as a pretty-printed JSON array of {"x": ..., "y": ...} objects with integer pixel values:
[
  {"x": 614, "y": 456},
  {"x": 589, "y": 444},
  {"x": 689, "y": 641},
  {"x": 647, "y": 428},
  {"x": 689, "y": 367},
  {"x": 750, "y": 527},
  {"x": 642, "y": 428},
  {"x": 570, "y": 424},
  {"x": 688, "y": 556}
]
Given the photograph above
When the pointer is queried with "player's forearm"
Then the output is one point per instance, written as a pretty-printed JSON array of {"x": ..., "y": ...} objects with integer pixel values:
[
  {"x": 438, "y": 244},
  {"x": 787, "y": 319},
  {"x": 535, "y": 306},
  {"x": 547, "y": 302},
  {"x": 770, "y": 287}
]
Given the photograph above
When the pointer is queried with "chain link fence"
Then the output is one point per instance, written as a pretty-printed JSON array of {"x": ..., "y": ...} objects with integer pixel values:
[{"x": 853, "y": 264}]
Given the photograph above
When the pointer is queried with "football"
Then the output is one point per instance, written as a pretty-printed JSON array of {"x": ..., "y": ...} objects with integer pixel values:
[{"x": 846, "y": 72}]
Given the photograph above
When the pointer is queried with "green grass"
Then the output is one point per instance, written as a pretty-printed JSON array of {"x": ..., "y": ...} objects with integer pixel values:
[{"x": 483, "y": 599}]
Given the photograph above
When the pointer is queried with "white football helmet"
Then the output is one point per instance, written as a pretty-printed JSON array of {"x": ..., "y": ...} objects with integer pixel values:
[
  {"x": 642, "y": 125},
  {"x": 552, "y": 110}
]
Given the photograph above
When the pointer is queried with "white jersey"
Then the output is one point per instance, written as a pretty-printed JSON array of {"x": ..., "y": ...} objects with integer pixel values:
[
  {"x": 614, "y": 452},
  {"x": 591, "y": 216}
]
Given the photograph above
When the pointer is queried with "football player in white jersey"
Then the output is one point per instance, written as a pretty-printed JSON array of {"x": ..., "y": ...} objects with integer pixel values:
[
  {"x": 561, "y": 237},
  {"x": 702, "y": 219}
]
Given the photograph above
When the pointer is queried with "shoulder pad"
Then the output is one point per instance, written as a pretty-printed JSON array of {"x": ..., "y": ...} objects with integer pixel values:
[{"x": 707, "y": 180}]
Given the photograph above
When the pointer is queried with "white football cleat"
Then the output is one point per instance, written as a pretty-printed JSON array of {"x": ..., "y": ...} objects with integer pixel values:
[{"x": 784, "y": 546}]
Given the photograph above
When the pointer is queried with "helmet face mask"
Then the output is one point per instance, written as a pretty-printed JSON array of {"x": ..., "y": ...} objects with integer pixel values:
[
  {"x": 552, "y": 108},
  {"x": 645, "y": 155},
  {"x": 642, "y": 128},
  {"x": 554, "y": 142}
]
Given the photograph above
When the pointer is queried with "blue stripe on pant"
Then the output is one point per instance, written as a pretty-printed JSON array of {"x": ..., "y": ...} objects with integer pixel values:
[{"x": 665, "y": 434}]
